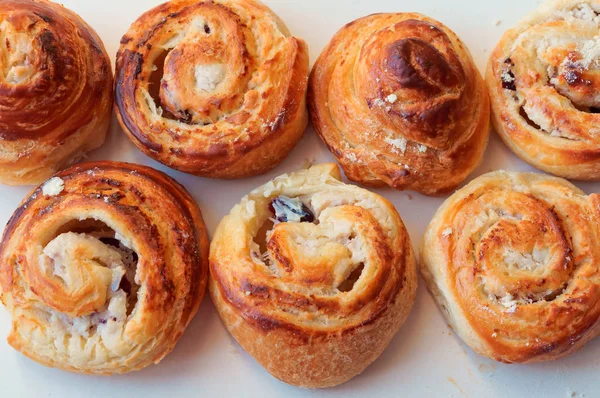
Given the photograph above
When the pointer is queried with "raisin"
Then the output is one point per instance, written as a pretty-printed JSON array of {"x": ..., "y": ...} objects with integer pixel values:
[
  {"x": 290, "y": 210},
  {"x": 507, "y": 76}
]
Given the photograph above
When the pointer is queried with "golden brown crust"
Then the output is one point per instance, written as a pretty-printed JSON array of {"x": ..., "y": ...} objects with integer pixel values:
[
  {"x": 103, "y": 267},
  {"x": 314, "y": 303},
  {"x": 512, "y": 260},
  {"x": 230, "y": 101},
  {"x": 399, "y": 101},
  {"x": 543, "y": 82},
  {"x": 55, "y": 90}
]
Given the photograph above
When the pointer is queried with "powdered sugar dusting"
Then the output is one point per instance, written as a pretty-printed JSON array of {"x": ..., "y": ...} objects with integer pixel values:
[
  {"x": 398, "y": 144},
  {"x": 53, "y": 186}
]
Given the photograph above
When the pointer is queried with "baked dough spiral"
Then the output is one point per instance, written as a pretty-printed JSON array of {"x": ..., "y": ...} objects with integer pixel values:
[
  {"x": 312, "y": 277},
  {"x": 398, "y": 101},
  {"x": 544, "y": 78},
  {"x": 512, "y": 260},
  {"x": 212, "y": 88},
  {"x": 55, "y": 90},
  {"x": 103, "y": 267}
]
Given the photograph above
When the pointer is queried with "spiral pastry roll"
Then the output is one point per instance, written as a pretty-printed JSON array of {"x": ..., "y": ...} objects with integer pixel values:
[
  {"x": 212, "y": 88},
  {"x": 398, "y": 101},
  {"x": 512, "y": 260},
  {"x": 55, "y": 90},
  {"x": 312, "y": 277},
  {"x": 544, "y": 80},
  {"x": 102, "y": 267}
]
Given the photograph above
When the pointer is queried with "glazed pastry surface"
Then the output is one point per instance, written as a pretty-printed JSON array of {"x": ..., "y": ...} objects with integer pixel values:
[
  {"x": 398, "y": 101},
  {"x": 512, "y": 260},
  {"x": 102, "y": 268},
  {"x": 544, "y": 78},
  {"x": 55, "y": 90},
  {"x": 212, "y": 88},
  {"x": 313, "y": 277}
]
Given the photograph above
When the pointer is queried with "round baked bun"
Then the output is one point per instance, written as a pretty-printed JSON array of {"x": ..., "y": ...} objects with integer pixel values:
[
  {"x": 313, "y": 277},
  {"x": 212, "y": 88},
  {"x": 544, "y": 79},
  {"x": 512, "y": 259},
  {"x": 398, "y": 101},
  {"x": 56, "y": 90}
]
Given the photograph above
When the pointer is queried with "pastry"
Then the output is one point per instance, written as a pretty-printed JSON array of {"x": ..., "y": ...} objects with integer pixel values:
[
  {"x": 55, "y": 90},
  {"x": 212, "y": 88},
  {"x": 544, "y": 78},
  {"x": 512, "y": 260},
  {"x": 312, "y": 277},
  {"x": 398, "y": 101},
  {"x": 102, "y": 267}
]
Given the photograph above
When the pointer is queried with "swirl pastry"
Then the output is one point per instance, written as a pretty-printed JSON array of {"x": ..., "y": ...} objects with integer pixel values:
[
  {"x": 103, "y": 267},
  {"x": 512, "y": 260},
  {"x": 544, "y": 78},
  {"x": 55, "y": 90},
  {"x": 312, "y": 277},
  {"x": 398, "y": 101},
  {"x": 212, "y": 88}
]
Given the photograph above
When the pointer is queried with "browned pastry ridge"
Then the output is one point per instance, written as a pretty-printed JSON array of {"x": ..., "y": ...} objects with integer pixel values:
[
  {"x": 544, "y": 79},
  {"x": 513, "y": 259},
  {"x": 398, "y": 101},
  {"x": 102, "y": 267},
  {"x": 313, "y": 277},
  {"x": 212, "y": 88},
  {"x": 55, "y": 90}
]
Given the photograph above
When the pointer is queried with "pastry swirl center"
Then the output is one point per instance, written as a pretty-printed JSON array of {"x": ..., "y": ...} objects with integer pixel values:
[
  {"x": 80, "y": 272},
  {"x": 206, "y": 70},
  {"x": 413, "y": 81}
]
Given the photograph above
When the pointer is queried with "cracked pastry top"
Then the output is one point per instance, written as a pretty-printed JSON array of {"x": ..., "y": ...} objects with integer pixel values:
[
  {"x": 398, "y": 100},
  {"x": 212, "y": 88},
  {"x": 313, "y": 277},
  {"x": 55, "y": 90},
  {"x": 102, "y": 267},
  {"x": 513, "y": 262},
  {"x": 544, "y": 80}
]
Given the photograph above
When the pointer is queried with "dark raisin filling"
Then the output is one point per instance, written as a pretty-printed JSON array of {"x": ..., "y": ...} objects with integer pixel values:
[
  {"x": 507, "y": 76},
  {"x": 288, "y": 209},
  {"x": 207, "y": 29}
]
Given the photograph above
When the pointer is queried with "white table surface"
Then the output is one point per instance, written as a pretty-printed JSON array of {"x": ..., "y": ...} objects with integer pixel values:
[{"x": 425, "y": 359}]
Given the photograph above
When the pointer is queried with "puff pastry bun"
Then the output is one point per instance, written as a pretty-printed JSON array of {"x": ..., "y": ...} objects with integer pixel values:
[
  {"x": 512, "y": 260},
  {"x": 398, "y": 101},
  {"x": 55, "y": 90},
  {"x": 212, "y": 88},
  {"x": 312, "y": 277},
  {"x": 544, "y": 78},
  {"x": 102, "y": 267}
]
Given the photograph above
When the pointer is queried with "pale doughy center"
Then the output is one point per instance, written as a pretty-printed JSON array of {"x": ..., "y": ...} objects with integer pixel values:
[{"x": 112, "y": 265}]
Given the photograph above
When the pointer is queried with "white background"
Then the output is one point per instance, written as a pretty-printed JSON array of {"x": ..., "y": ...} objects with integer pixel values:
[{"x": 425, "y": 359}]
